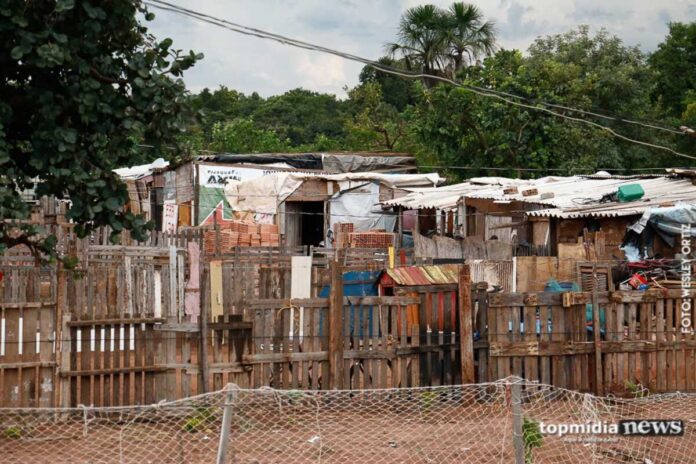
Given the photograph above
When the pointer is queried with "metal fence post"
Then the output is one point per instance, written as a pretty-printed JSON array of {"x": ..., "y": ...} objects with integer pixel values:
[
  {"x": 231, "y": 390},
  {"x": 517, "y": 421}
]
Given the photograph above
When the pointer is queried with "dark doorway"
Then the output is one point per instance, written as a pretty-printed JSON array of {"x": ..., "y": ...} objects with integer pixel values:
[
  {"x": 304, "y": 223},
  {"x": 312, "y": 222}
]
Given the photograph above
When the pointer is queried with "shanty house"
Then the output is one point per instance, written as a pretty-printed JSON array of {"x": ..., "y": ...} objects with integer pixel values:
[{"x": 293, "y": 199}]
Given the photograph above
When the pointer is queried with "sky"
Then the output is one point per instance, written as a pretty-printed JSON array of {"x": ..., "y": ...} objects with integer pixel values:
[{"x": 362, "y": 27}]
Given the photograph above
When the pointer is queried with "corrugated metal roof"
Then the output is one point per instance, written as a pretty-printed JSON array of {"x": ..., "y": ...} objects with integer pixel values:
[
  {"x": 446, "y": 198},
  {"x": 425, "y": 275},
  {"x": 563, "y": 197},
  {"x": 580, "y": 196}
]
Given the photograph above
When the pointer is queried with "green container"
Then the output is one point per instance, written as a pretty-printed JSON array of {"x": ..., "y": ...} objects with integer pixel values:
[{"x": 630, "y": 192}]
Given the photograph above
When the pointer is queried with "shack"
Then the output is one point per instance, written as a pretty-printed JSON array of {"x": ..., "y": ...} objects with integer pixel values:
[{"x": 437, "y": 288}]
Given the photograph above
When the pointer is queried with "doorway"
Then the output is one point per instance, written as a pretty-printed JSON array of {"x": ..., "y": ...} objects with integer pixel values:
[{"x": 304, "y": 223}]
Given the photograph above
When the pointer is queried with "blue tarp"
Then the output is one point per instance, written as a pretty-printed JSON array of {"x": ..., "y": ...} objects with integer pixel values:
[{"x": 356, "y": 283}]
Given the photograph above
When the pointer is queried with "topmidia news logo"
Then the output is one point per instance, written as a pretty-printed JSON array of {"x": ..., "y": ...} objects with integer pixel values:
[{"x": 631, "y": 427}]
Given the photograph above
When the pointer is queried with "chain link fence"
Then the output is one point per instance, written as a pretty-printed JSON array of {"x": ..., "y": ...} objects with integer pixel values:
[{"x": 502, "y": 421}]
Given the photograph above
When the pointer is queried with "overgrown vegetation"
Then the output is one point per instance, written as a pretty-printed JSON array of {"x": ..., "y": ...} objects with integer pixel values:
[
  {"x": 532, "y": 438},
  {"x": 82, "y": 84},
  {"x": 201, "y": 420}
]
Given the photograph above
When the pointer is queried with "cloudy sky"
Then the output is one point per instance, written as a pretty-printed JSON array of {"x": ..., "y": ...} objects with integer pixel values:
[{"x": 362, "y": 27}]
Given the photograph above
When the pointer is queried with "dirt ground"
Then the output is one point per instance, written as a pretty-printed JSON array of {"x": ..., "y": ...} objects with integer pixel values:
[{"x": 306, "y": 432}]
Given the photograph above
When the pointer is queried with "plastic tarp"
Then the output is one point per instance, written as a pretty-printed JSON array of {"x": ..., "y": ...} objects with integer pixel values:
[
  {"x": 356, "y": 163},
  {"x": 264, "y": 194},
  {"x": 360, "y": 206},
  {"x": 329, "y": 162},
  {"x": 668, "y": 221},
  {"x": 261, "y": 195}
]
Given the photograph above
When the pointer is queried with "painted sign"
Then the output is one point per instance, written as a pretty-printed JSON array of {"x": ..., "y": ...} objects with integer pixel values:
[{"x": 217, "y": 176}]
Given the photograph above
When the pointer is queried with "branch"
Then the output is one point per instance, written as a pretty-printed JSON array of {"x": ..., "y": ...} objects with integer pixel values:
[{"x": 106, "y": 79}]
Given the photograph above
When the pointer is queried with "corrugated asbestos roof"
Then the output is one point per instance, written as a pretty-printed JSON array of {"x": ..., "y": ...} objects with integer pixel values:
[
  {"x": 574, "y": 197},
  {"x": 562, "y": 197},
  {"x": 446, "y": 198},
  {"x": 425, "y": 275}
]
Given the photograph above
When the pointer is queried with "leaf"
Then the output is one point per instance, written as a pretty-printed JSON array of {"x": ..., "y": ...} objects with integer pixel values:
[
  {"x": 17, "y": 52},
  {"x": 64, "y": 5},
  {"x": 112, "y": 204}
]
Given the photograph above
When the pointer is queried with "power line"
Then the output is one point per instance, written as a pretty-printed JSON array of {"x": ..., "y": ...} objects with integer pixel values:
[{"x": 391, "y": 70}]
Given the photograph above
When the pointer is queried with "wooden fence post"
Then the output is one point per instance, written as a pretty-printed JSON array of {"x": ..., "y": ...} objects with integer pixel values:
[
  {"x": 596, "y": 332},
  {"x": 466, "y": 334},
  {"x": 203, "y": 334},
  {"x": 335, "y": 327},
  {"x": 63, "y": 342}
]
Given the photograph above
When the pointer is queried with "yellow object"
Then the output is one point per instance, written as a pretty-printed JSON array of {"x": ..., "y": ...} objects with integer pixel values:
[
  {"x": 391, "y": 257},
  {"x": 215, "y": 290}
]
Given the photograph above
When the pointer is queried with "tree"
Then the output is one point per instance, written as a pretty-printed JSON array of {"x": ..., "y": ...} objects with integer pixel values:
[
  {"x": 596, "y": 73},
  {"x": 422, "y": 40},
  {"x": 82, "y": 83},
  {"x": 675, "y": 63},
  {"x": 441, "y": 42},
  {"x": 378, "y": 125},
  {"x": 299, "y": 118},
  {"x": 242, "y": 135},
  {"x": 469, "y": 37},
  {"x": 396, "y": 90}
]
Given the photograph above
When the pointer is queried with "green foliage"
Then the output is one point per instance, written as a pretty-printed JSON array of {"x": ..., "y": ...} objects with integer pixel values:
[
  {"x": 675, "y": 64},
  {"x": 14, "y": 432},
  {"x": 201, "y": 420},
  {"x": 243, "y": 136},
  {"x": 299, "y": 119},
  {"x": 635, "y": 389},
  {"x": 532, "y": 438},
  {"x": 396, "y": 91},
  {"x": 377, "y": 125},
  {"x": 442, "y": 42},
  {"x": 446, "y": 126},
  {"x": 573, "y": 69},
  {"x": 675, "y": 89},
  {"x": 428, "y": 399},
  {"x": 81, "y": 83}
]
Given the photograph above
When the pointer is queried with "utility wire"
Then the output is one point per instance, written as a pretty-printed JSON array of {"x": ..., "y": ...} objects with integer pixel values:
[{"x": 162, "y": 5}]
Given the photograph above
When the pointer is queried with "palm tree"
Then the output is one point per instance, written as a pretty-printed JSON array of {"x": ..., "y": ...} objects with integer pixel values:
[
  {"x": 440, "y": 42},
  {"x": 469, "y": 37},
  {"x": 421, "y": 39}
]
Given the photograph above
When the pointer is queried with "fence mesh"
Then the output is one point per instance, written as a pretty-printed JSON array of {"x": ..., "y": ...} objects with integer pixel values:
[{"x": 467, "y": 423}]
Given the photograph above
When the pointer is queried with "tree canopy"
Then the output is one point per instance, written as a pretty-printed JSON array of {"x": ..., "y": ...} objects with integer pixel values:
[
  {"x": 82, "y": 84},
  {"x": 448, "y": 126},
  {"x": 441, "y": 42}
]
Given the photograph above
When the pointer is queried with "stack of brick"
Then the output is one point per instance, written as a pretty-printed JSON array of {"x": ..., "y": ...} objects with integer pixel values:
[
  {"x": 233, "y": 234},
  {"x": 341, "y": 231},
  {"x": 371, "y": 239}
]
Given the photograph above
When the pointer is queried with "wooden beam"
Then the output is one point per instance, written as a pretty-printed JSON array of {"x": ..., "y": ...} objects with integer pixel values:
[
  {"x": 597, "y": 335},
  {"x": 335, "y": 327},
  {"x": 466, "y": 334}
]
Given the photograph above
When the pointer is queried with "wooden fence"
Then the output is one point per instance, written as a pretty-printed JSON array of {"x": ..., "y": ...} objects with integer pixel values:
[
  {"x": 645, "y": 339},
  {"x": 118, "y": 331}
]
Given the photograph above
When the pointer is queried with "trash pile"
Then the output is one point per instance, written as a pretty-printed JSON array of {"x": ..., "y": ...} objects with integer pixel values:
[{"x": 656, "y": 273}]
